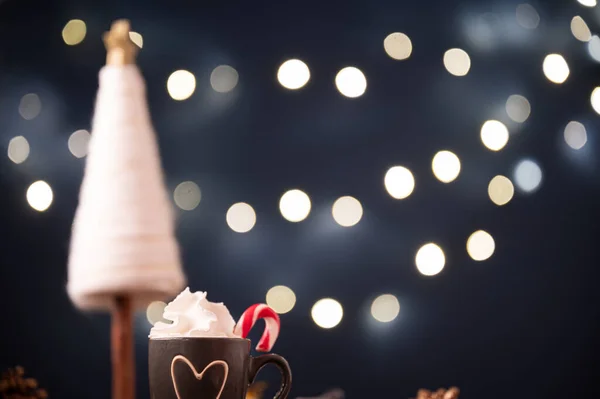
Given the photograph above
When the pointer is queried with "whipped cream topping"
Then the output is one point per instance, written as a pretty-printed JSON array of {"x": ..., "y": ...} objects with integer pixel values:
[{"x": 194, "y": 316}]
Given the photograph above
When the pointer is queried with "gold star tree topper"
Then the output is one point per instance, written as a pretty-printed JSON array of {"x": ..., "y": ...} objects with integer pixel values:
[{"x": 120, "y": 49}]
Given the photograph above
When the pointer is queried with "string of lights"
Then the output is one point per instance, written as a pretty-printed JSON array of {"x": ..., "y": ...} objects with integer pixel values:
[{"x": 399, "y": 181}]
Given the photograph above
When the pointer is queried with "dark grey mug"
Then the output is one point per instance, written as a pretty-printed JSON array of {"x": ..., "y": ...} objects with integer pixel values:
[{"x": 207, "y": 368}]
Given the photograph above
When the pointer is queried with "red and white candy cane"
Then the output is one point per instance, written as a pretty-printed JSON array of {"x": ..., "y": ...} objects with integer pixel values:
[{"x": 249, "y": 318}]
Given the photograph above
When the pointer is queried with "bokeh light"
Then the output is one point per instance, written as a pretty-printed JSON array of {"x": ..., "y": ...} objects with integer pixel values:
[
  {"x": 74, "y": 32},
  {"x": 293, "y": 74},
  {"x": 137, "y": 38},
  {"x": 281, "y": 299},
  {"x": 78, "y": 143},
  {"x": 385, "y": 308},
  {"x": 527, "y": 16},
  {"x": 187, "y": 195},
  {"x": 18, "y": 149},
  {"x": 351, "y": 82},
  {"x": 518, "y": 108},
  {"x": 347, "y": 211},
  {"x": 399, "y": 182},
  {"x": 595, "y": 99},
  {"x": 457, "y": 62},
  {"x": 224, "y": 79},
  {"x": 480, "y": 245},
  {"x": 575, "y": 135},
  {"x": 294, "y": 205},
  {"x": 181, "y": 85},
  {"x": 501, "y": 190},
  {"x": 430, "y": 259},
  {"x": 39, "y": 196},
  {"x": 593, "y": 47},
  {"x": 327, "y": 313},
  {"x": 241, "y": 217},
  {"x": 30, "y": 106},
  {"x": 587, "y": 3},
  {"x": 155, "y": 311},
  {"x": 445, "y": 166},
  {"x": 555, "y": 68},
  {"x": 398, "y": 46},
  {"x": 494, "y": 135},
  {"x": 528, "y": 175},
  {"x": 580, "y": 29}
]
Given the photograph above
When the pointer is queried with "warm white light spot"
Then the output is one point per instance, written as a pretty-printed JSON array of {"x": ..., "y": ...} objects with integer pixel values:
[
  {"x": 556, "y": 68},
  {"x": 575, "y": 135},
  {"x": 501, "y": 190},
  {"x": 588, "y": 3},
  {"x": 78, "y": 143},
  {"x": 385, "y": 308},
  {"x": 18, "y": 149},
  {"x": 399, "y": 182},
  {"x": 294, "y": 205},
  {"x": 398, "y": 46},
  {"x": 74, "y": 32},
  {"x": 481, "y": 245},
  {"x": 494, "y": 135},
  {"x": 224, "y": 78},
  {"x": 327, "y": 313},
  {"x": 457, "y": 62},
  {"x": 39, "y": 195},
  {"x": 430, "y": 259},
  {"x": 351, "y": 82},
  {"x": 293, "y": 74},
  {"x": 241, "y": 217},
  {"x": 580, "y": 30},
  {"x": 527, "y": 16},
  {"x": 445, "y": 166},
  {"x": 30, "y": 106},
  {"x": 595, "y": 99},
  {"x": 528, "y": 176},
  {"x": 347, "y": 211},
  {"x": 281, "y": 299},
  {"x": 187, "y": 195},
  {"x": 154, "y": 312},
  {"x": 181, "y": 85},
  {"x": 518, "y": 108},
  {"x": 137, "y": 38}
]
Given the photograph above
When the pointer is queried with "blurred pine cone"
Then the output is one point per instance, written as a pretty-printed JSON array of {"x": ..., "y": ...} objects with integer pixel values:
[
  {"x": 14, "y": 385},
  {"x": 451, "y": 393},
  {"x": 256, "y": 390}
]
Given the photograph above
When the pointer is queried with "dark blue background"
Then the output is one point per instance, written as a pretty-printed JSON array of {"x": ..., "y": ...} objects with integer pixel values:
[{"x": 523, "y": 324}]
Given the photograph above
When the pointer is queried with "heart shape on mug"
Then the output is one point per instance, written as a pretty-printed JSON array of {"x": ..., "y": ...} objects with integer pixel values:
[{"x": 197, "y": 374}]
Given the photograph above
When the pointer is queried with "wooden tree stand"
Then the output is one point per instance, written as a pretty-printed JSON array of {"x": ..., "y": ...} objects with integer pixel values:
[{"x": 122, "y": 349}]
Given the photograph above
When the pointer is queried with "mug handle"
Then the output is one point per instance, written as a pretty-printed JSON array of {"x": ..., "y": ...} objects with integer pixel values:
[{"x": 257, "y": 363}]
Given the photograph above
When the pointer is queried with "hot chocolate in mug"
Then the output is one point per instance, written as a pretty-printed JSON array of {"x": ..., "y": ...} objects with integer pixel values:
[{"x": 200, "y": 352}]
